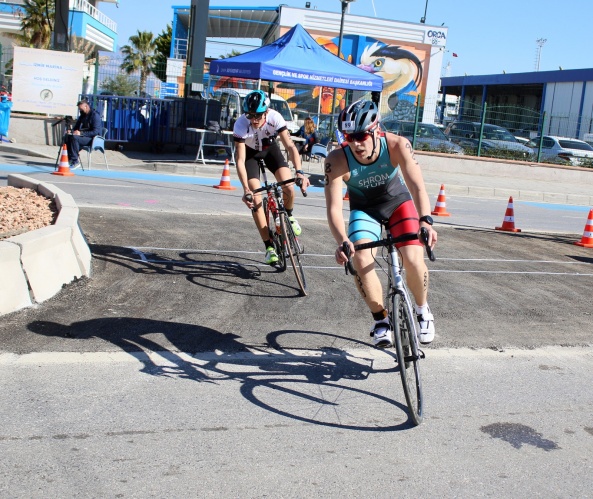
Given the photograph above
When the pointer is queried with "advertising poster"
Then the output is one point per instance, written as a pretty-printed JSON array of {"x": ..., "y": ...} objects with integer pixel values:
[{"x": 46, "y": 81}]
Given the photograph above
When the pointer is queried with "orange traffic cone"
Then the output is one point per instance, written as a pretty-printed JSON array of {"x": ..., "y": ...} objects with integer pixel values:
[
  {"x": 63, "y": 165},
  {"x": 346, "y": 197},
  {"x": 508, "y": 224},
  {"x": 225, "y": 180},
  {"x": 587, "y": 239},
  {"x": 440, "y": 207}
]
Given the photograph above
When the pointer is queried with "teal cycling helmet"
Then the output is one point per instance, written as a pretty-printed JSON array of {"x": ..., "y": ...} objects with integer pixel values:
[{"x": 256, "y": 102}]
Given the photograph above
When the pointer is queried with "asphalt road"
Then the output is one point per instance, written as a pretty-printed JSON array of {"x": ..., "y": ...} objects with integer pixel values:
[{"x": 185, "y": 366}]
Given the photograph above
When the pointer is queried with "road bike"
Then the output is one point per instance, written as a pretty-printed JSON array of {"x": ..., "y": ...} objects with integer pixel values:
[
  {"x": 286, "y": 243},
  {"x": 401, "y": 316}
]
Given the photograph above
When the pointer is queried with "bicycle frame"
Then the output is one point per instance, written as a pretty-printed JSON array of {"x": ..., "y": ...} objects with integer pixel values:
[{"x": 279, "y": 226}]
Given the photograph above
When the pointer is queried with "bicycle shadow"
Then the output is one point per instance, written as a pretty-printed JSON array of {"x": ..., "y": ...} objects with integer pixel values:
[
  {"x": 320, "y": 386},
  {"x": 210, "y": 270}
]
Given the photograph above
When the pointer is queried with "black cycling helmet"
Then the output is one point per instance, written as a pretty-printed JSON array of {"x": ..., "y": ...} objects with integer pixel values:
[
  {"x": 360, "y": 116},
  {"x": 256, "y": 102}
]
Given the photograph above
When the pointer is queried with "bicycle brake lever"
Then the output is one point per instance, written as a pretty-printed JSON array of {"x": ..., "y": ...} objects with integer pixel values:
[
  {"x": 299, "y": 182},
  {"x": 249, "y": 198},
  {"x": 424, "y": 240},
  {"x": 348, "y": 267}
]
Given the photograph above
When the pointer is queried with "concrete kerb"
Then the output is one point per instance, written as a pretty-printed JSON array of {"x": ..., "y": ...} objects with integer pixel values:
[{"x": 39, "y": 263}]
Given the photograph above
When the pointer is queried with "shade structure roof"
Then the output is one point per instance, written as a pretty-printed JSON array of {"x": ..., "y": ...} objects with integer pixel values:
[{"x": 297, "y": 58}]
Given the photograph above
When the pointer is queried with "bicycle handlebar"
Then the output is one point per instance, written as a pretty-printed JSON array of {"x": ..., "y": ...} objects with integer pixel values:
[
  {"x": 297, "y": 181},
  {"x": 388, "y": 241}
]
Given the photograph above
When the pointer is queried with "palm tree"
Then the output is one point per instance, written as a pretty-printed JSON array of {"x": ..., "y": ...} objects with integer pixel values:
[
  {"x": 37, "y": 23},
  {"x": 140, "y": 56},
  {"x": 232, "y": 53}
]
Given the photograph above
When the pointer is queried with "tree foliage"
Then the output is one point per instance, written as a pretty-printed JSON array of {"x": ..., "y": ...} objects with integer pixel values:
[
  {"x": 163, "y": 49},
  {"x": 120, "y": 84},
  {"x": 232, "y": 53},
  {"x": 140, "y": 55},
  {"x": 36, "y": 24}
]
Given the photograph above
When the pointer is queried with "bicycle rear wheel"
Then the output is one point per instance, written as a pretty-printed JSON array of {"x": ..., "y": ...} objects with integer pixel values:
[
  {"x": 274, "y": 236},
  {"x": 293, "y": 250},
  {"x": 408, "y": 354}
]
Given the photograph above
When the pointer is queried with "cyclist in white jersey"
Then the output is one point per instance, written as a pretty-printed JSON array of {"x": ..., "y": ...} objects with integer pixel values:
[
  {"x": 255, "y": 134},
  {"x": 385, "y": 185}
]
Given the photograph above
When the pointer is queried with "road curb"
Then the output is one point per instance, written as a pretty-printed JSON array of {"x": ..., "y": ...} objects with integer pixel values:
[{"x": 39, "y": 263}]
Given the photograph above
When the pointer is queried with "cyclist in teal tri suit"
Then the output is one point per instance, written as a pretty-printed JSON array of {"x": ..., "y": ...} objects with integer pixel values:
[{"x": 384, "y": 184}]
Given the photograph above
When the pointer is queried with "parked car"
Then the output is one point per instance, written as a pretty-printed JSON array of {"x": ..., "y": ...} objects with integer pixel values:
[
  {"x": 467, "y": 133},
  {"x": 428, "y": 137},
  {"x": 562, "y": 150}
]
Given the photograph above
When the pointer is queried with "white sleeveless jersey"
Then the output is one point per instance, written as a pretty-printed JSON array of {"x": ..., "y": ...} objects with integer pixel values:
[{"x": 259, "y": 138}]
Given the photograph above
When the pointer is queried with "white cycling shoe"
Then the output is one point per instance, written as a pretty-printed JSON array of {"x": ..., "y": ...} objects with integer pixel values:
[
  {"x": 426, "y": 327},
  {"x": 382, "y": 334}
]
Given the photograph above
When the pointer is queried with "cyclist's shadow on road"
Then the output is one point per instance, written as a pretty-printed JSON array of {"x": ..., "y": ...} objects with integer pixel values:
[
  {"x": 206, "y": 269},
  {"x": 328, "y": 386}
]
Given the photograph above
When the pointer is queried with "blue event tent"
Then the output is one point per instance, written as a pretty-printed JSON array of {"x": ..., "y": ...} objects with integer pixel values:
[{"x": 297, "y": 58}]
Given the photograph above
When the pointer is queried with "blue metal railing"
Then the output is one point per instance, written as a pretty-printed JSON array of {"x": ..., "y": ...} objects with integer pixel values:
[{"x": 141, "y": 120}]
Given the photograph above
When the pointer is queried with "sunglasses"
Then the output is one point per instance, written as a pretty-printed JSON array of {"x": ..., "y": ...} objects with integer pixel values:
[
  {"x": 254, "y": 116},
  {"x": 357, "y": 137}
]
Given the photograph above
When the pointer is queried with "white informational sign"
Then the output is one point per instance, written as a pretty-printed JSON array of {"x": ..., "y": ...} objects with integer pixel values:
[{"x": 46, "y": 81}]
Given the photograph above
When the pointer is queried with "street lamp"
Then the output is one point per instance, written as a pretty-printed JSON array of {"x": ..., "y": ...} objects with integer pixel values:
[
  {"x": 344, "y": 6},
  {"x": 423, "y": 18}
]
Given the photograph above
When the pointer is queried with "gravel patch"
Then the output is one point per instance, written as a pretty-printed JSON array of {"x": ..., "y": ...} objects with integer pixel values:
[{"x": 22, "y": 210}]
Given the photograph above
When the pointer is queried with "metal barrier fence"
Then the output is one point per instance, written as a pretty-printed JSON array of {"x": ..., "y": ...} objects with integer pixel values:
[
  {"x": 155, "y": 121},
  {"x": 6, "y": 55}
]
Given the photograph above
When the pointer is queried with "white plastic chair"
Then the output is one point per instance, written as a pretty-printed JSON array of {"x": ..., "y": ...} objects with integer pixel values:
[{"x": 98, "y": 144}]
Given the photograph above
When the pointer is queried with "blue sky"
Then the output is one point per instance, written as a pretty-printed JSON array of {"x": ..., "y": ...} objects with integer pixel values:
[{"x": 489, "y": 37}]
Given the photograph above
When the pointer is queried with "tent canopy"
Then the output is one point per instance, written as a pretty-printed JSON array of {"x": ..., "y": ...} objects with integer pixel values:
[{"x": 297, "y": 58}]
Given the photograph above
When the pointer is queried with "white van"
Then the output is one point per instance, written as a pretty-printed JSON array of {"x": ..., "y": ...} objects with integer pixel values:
[{"x": 231, "y": 100}]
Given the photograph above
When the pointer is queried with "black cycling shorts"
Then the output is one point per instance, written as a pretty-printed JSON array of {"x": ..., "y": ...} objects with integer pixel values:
[{"x": 272, "y": 156}]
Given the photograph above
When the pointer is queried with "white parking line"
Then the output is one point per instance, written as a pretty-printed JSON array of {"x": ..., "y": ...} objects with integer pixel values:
[{"x": 141, "y": 251}]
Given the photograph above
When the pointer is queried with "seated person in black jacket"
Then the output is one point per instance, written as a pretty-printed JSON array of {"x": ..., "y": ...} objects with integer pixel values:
[
  {"x": 86, "y": 127},
  {"x": 307, "y": 131}
]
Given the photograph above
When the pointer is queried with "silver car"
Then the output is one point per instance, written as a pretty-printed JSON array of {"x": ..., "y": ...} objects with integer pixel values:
[
  {"x": 467, "y": 133},
  {"x": 562, "y": 150},
  {"x": 428, "y": 137}
]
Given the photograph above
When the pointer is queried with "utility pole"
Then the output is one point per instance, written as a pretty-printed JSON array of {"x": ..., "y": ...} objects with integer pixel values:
[
  {"x": 61, "y": 26},
  {"x": 335, "y": 90}
]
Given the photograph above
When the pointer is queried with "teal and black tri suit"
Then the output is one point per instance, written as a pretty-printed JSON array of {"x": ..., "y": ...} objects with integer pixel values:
[{"x": 378, "y": 194}]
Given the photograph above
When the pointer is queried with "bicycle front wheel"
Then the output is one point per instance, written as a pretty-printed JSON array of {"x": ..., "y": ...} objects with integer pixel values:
[
  {"x": 292, "y": 249},
  {"x": 408, "y": 354}
]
